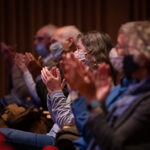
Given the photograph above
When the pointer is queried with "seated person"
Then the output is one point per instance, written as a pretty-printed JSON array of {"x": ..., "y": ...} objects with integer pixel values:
[{"x": 122, "y": 127}]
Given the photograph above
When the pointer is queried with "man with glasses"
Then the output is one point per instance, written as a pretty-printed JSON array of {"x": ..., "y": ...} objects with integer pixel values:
[{"x": 42, "y": 42}]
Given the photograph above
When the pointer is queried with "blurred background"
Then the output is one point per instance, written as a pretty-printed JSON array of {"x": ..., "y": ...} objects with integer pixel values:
[{"x": 20, "y": 19}]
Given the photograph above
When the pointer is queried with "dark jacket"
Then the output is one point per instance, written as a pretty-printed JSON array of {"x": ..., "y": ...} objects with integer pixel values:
[{"x": 130, "y": 131}]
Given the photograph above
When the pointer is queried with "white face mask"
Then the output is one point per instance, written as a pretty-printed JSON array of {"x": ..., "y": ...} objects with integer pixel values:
[
  {"x": 80, "y": 56},
  {"x": 56, "y": 50},
  {"x": 116, "y": 60}
]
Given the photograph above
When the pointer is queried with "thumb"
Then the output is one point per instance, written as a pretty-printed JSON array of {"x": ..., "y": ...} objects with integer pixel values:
[
  {"x": 63, "y": 83},
  {"x": 58, "y": 74},
  {"x": 40, "y": 61}
]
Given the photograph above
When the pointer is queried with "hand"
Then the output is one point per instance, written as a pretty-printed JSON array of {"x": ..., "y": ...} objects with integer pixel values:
[
  {"x": 8, "y": 54},
  {"x": 103, "y": 81},
  {"x": 52, "y": 79},
  {"x": 20, "y": 62},
  {"x": 33, "y": 65},
  {"x": 77, "y": 76},
  {"x": 94, "y": 86}
]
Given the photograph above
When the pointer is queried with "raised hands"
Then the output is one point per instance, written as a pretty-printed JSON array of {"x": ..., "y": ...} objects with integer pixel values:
[
  {"x": 8, "y": 53},
  {"x": 78, "y": 77},
  {"x": 52, "y": 79},
  {"x": 33, "y": 65},
  {"x": 103, "y": 81},
  {"x": 20, "y": 62},
  {"x": 94, "y": 86}
]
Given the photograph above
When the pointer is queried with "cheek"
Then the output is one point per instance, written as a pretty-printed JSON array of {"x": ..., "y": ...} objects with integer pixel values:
[
  {"x": 121, "y": 52},
  {"x": 65, "y": 45},
  {"x": 82, "y": 49}
]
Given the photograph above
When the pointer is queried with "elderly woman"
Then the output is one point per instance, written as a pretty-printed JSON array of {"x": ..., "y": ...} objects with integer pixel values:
[{"x": 127, "y": 125}]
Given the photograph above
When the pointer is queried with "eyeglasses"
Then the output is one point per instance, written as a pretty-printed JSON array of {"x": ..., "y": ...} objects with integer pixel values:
[
  {"x": 39, "y": 38},
  {"x": 125, "y": 47},
  {"x": 121, "y": 47}
]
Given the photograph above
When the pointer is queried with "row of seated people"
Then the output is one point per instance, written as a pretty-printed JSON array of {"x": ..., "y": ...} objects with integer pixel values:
[{"x": 97, "y": 94}]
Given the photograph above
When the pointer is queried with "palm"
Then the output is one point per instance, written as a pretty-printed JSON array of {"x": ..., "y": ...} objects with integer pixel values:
[{"x": 102, "y": 82}]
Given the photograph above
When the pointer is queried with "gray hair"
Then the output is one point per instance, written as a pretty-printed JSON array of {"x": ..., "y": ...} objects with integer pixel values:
[
  {"x": 141, "y": 39},
  {"x": 70, "y": 31}
]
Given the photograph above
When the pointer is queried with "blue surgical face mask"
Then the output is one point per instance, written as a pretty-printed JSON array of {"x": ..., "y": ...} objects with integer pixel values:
[
  {"x": 56, "y": 50},
  {"x": 42, "y": 50},
  {"x": 116, "y": 60}
]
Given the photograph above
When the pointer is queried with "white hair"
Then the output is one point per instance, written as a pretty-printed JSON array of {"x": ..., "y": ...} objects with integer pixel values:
[
  {"x": 70, "y": 31},
  {"x": 141, "y": 39}
]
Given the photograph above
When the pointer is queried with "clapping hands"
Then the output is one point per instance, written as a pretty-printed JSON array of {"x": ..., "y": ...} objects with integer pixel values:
[
  {"x": 52, "y": 79},
  {"x": 93, "y": 85}
]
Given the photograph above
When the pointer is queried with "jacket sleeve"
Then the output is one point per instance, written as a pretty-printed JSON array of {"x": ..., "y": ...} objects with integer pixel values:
[
  {"x": 31, "y": 86},
  {"x": 81, "y": 115},
  {"x": 19, "y": 83},
  {"x": 132, "y": 132},
  {"x": 59, "y": 109}
]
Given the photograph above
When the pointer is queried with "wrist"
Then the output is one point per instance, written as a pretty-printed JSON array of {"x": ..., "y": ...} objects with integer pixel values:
[
  {"x": 73, "y": 94},
  {"x": 94, "y": 105},
  {"x": 55, "y": 93},
  {"x": 50, "y": 91}
]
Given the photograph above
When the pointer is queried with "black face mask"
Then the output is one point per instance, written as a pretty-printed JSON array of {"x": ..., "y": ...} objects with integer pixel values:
[{"x": 129, "y": 65}]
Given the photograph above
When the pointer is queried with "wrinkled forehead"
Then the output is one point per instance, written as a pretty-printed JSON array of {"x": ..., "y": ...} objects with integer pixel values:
[{"x": 57, "y": 38}]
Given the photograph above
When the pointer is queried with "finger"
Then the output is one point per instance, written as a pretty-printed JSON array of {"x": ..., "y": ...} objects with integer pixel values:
[
  {"x": 29, "y": 56},
  {"x": 58, "y": 74},
  {"x": 40, "y": 60},
  {"x": 44, "y": 74},
  {"x": 43, "y": 79},
  {"x": 63, "y": 83},
  {"x": 88, "y": 73},
  {"x": 53, "y": 71}
]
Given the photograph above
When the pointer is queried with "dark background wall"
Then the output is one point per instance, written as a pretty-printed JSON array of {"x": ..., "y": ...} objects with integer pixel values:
[{"x": 20, "y": 19}]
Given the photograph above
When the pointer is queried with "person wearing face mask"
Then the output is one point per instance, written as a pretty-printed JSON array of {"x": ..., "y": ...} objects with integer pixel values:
[
  {"x": 42, "y": 42},
  {"x": 67, "y": 36},
  {"x": 80, "y": 52},
  {"x": 126, "y": 126},
  {"x": 62, "y": 41},
  {"x": 118, "y": 90},
  {"x": 117, "y": 60},
  {"x": 58, "y": 104}
]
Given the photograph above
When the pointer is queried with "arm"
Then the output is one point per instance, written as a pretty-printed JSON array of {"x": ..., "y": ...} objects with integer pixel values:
[
  {"x": 19, "y": 83},
  {"x": 81, "y": 115},
  {"x": 31, "y": 86},
  {"x": 61, "y": 111},
  {"x": 133, "y": 130},
  {"x": 58, "y": 108}
]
